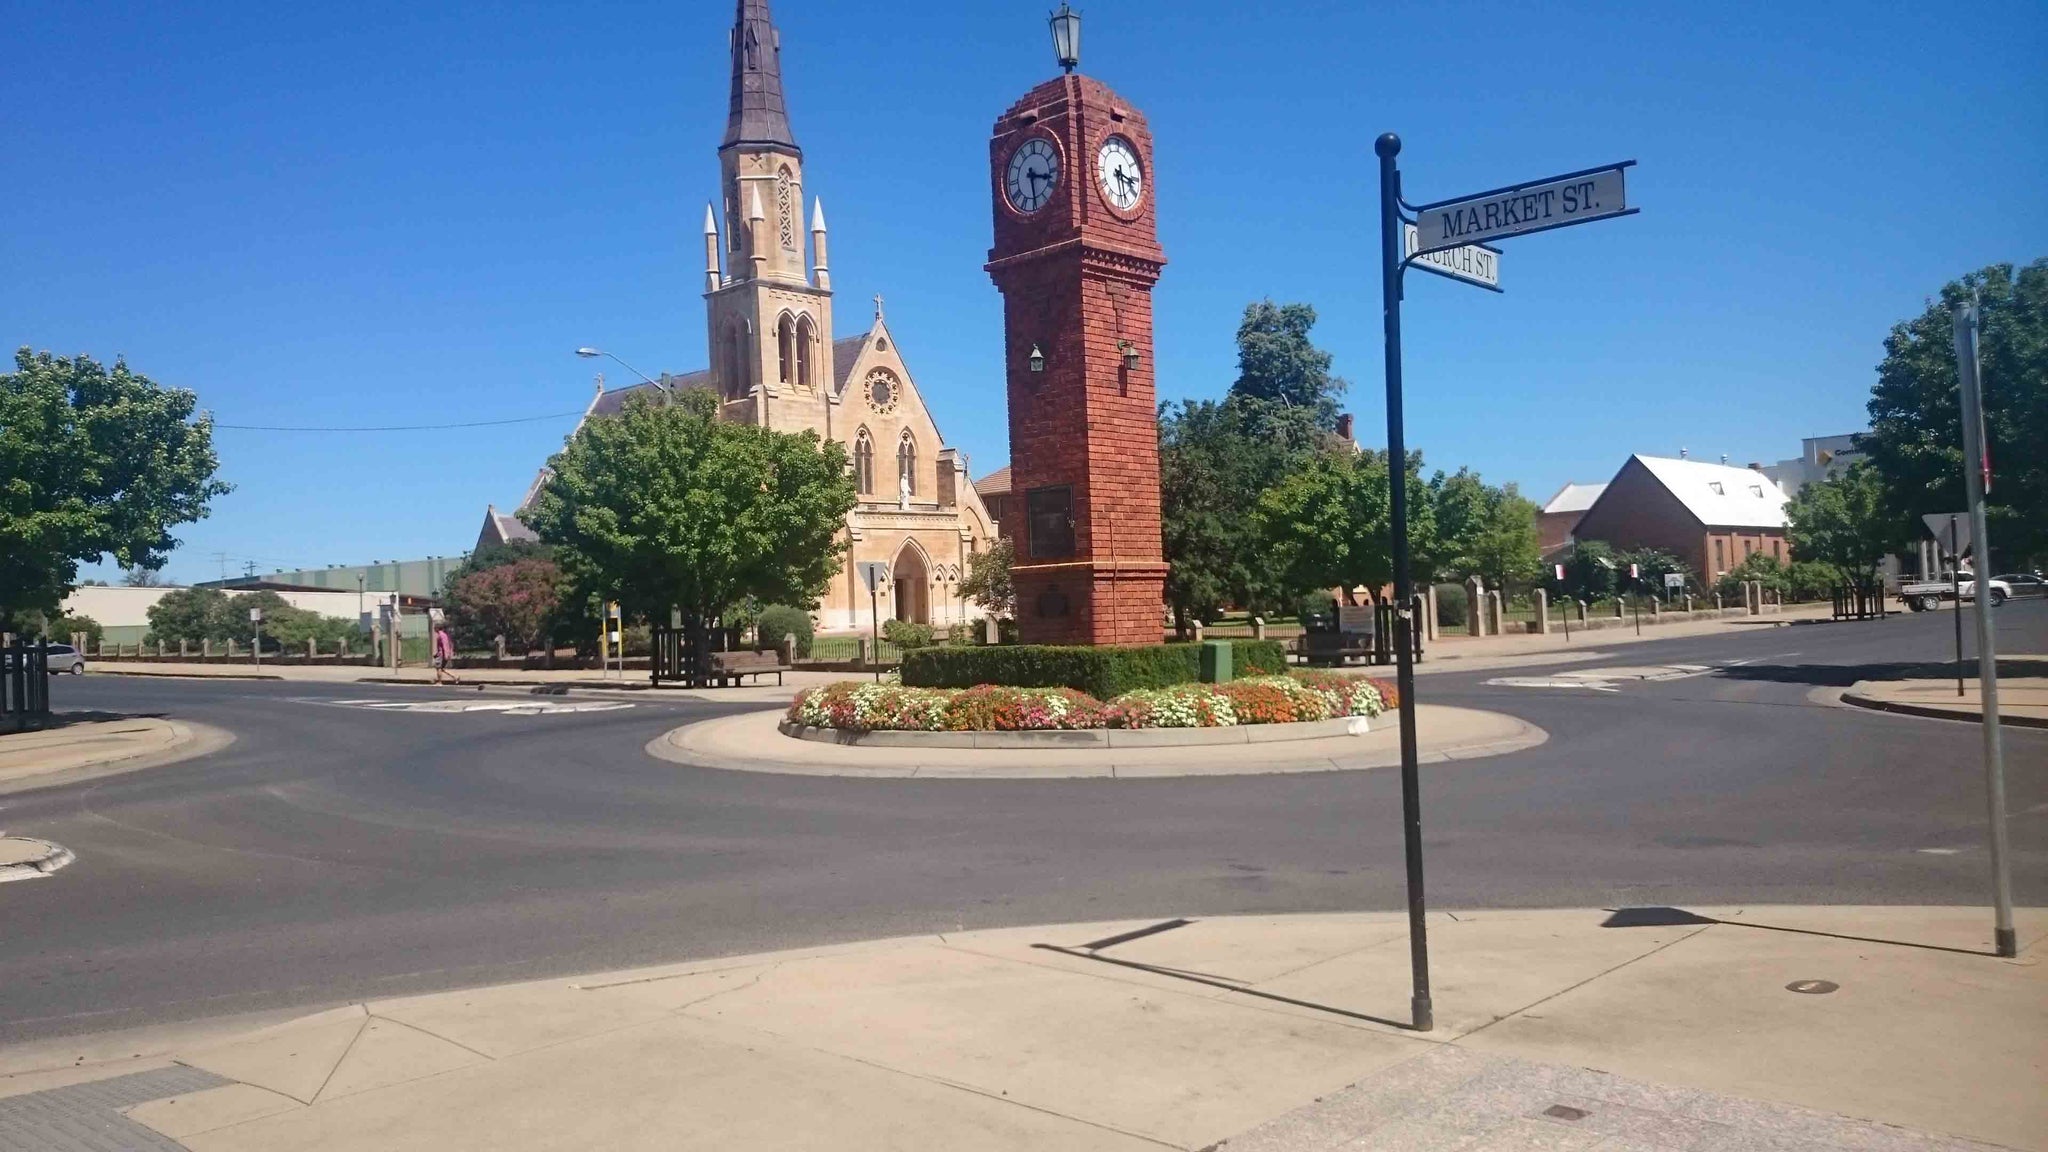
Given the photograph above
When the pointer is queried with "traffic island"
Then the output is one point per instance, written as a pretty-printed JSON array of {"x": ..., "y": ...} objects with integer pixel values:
[
  {"x": 759, "y": 742},
  {"x": 2022, "y": 700},
  {"x": 82, "y": 747}
]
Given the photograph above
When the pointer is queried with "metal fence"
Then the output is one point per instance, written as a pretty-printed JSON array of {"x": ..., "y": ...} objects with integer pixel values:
[{"x": 24, "y": 685}]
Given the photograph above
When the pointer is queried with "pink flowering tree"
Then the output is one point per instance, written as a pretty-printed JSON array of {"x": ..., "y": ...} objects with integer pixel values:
[{"x": 519, "y": 601}]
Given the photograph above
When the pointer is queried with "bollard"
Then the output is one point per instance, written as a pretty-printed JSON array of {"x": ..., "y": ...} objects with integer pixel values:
[
  {"x": 1542, "y": 612},
  {"x": 1618, "y": 613},
  {"x": 789, "y": 650},
  {"x": 866, "y": 653},
  {"x": 1475, "y": 606},
  {"x": 991, "y": 632},
  {"x": 498, "y": 648},
  {"x": 1429, "y": 619},
  {"x": 206, "y": 648},
  {"x": 1496, "y": 614},
  {"x": 1258, "y": 627}
]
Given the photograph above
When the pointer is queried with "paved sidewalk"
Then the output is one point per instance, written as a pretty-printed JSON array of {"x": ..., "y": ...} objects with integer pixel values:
[
  {"x": 2022, "y": 700},
  {"x": 85, "y": 748},
  {"x": 1462, "y": 653},
  {"x": 1256, "y": 1034},
  {"x": 753, "y": 743}
]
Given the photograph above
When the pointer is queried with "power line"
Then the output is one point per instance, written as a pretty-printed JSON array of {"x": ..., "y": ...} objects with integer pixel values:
[{"x": 397, "y": 427}]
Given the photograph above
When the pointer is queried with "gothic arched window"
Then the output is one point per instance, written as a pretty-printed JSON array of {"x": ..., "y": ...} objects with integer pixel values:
[
  {"x": 785, "y": 350},
  {"x": 783, "y": 211},
  {"x": 806, "y": 337},
  {"x": 864, "y": 463},
  {"x": 906, "y": 463}
]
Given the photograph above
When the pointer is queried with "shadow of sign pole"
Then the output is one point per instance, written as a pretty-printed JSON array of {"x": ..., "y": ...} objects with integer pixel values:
[{"x": 1450, "y": 238}]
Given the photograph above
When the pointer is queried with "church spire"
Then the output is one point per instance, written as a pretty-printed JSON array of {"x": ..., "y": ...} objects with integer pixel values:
[{"x": 758, "y": 115}]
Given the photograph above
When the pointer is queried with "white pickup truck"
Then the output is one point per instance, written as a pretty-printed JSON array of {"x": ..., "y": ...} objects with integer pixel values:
[{"x": 1927, "y": 596}]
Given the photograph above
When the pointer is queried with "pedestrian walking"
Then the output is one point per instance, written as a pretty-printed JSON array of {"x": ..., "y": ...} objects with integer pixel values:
[{"x": 444, "y": 656}]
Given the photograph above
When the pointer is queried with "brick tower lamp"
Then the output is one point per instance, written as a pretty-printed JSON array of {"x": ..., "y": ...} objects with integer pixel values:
[{"x": 1076, "y": 254}]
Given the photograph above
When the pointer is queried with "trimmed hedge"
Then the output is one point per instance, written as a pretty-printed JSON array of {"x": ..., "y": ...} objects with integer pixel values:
[{"x": 1104, "y": 673}]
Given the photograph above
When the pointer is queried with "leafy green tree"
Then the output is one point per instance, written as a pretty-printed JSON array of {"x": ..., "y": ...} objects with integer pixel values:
[
  {"x": 1483, "y": 529},
  {"x": 1915, "y": 437},
  {"x": 190, "y": 615},
  {"x": 668, "y": 506},
  {"x": 779, "y": 620},
  {"x": 1213, "y": 458},
  {"x": 1761, "y": 567},
  {"x": 1652, "y": 565},
  {"x": 92, "y": 463},
  {"x": 1279, "y": 364},
  {"x": 1589, "y": 571},
  {"x": 1845, "y": 523},
  {"x": 988, "y": 579},
  {"x": 1328, "y": 526}
]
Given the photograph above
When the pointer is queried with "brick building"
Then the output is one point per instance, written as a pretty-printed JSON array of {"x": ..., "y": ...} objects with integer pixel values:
[
  {"x": 1559, "y": 517},
  {"x": 775, "y": 363},
  {"x": 1710, "y": 516}
]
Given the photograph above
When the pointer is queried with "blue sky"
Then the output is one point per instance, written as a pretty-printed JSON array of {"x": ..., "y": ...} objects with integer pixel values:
[{"x": 411, "y": 214}]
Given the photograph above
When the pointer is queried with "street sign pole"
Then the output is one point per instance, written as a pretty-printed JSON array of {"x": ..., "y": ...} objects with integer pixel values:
[
  {"x": 1975, "y": 454},
  {"x": 1392, "y": 255},
  {"x": 1955, "y": 582}
]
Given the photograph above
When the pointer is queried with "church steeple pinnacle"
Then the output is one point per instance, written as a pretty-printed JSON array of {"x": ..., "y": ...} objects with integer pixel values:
[{"x": 758, "y": 116}]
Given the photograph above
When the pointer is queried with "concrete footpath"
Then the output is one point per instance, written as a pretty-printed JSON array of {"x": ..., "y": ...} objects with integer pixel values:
[
  {"x": 2022, "y": 700},
  {"x": 82, "y": 748},
  {"x": 1733, "y": 1028}
]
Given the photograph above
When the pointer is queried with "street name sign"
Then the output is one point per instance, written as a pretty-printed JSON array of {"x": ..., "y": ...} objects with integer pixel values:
[
  {"x": 1471, "y": 263},
  {"x": 1538, "y": 206},
  {"x": 873, "y": 573}
]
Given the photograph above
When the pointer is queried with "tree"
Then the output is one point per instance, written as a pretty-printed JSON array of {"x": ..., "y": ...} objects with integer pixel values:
[
  {"x": 988, "y": 579},
  {"x": 140, "y": 577},
  {"x": 1278, "y": 364},
  {"x": 190, "y": 615},
  {"x": 519, "y": 601},
  {"x": 1329, "y": 525},
  {"x": 1844, "y": 523},
  {"x": 1589, "y": 571},
  {"x": 1213, "y": 457},
  {"x": 1915, "y": 437},
  {"x": 666, "y": 506},
  {"x": 1652, "y": 565},
  {"x": 93, "y": 462},
  {"x": 1483, "y": 529}
]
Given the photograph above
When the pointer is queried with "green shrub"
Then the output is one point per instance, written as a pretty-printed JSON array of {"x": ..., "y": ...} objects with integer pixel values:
[
  {"x": 908, "y": 635},
  {"x": 779, "y": 620},
  {"x": 1103, "y": 673},
  {"x": 1450, "y": 606}
]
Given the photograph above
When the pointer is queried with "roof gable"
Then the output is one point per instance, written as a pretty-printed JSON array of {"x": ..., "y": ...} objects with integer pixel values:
[
  {"x": 1574, "y": 498},
  {"x": 1719, "y": 495}
]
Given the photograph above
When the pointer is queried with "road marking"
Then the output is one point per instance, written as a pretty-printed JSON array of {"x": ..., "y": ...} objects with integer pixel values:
[
  {"x": 455, "y": 707},
  {"x": 1553, "y": 682},
  {"x": 1938, "y": 851}
]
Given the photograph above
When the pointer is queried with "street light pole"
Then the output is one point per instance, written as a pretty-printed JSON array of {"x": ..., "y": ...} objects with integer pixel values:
[
  {"x": 1392, "y": 252},
  {"x": 594, "y": 353}
]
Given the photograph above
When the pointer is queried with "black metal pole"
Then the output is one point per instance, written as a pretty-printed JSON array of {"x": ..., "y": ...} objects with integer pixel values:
[{"x": 1388, "y": 146}]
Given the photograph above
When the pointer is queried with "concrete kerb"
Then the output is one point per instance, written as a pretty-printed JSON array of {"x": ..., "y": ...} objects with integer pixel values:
[
  {"x": 1088, "y": 738},
  {"x": 173, "y": 742},
  {"x": 27, "y": 858},
  {"x": 755, "y": 742},
  {"x": 1869, "y": 695}
]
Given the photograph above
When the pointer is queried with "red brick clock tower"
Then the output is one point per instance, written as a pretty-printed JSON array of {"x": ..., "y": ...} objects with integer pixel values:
[{"x": 1076, "y": 254}]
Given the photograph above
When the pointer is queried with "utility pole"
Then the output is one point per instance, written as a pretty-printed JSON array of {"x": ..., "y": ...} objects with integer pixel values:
[{"x": 1976, "y": 482}]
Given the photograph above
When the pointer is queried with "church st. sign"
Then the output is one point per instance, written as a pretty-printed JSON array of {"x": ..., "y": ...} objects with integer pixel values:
[
  {"x": 1557, "y": 202},
  {"x": 1471, "y": 263}
]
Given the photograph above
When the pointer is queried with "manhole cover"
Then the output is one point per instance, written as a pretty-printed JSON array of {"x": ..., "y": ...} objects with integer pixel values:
[
  {"x": 1566, "y": 1112},
  {"x": 1812, "y": 987}
]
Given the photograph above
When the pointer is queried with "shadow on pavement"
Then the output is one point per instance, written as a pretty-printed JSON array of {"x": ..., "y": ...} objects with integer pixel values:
[
  {"x": 1660, "y": 917},
  {"x": 1844, "y": 675}
]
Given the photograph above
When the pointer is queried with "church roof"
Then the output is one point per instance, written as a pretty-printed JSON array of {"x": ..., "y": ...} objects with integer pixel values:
[
  {"x": 996, "y": 483},
  {"x": 757, "y": 114}
]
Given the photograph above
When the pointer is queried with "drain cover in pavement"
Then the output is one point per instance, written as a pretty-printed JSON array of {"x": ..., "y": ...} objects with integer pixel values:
[
  {"x": 1566, "y": 1112},
  {"x": 1812, "y": 987}
]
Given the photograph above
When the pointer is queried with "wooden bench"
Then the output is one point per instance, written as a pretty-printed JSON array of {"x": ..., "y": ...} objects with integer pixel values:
[{"x": 729, "y": 668}]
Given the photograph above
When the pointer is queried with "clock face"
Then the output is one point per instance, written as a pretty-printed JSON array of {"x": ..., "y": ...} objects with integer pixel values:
[
  {"x": 1032, "y": 174},
  {"x": 1116, "y": 168}
]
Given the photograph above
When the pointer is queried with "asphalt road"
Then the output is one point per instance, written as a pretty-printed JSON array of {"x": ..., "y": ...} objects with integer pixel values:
[{"x": 337, "y": 851}]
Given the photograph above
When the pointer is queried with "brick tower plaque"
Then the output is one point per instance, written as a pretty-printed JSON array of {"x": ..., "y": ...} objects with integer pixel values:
[{"x": 1076, "y": 254}]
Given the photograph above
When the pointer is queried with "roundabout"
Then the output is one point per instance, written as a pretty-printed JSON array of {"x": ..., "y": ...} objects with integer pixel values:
[{"x": 761, "y": 742}]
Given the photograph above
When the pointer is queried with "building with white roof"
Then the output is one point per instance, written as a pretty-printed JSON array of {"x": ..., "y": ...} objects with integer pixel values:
[
  {"x": 1554, "y": 524},
  {"x": 1711, "y": 516}
]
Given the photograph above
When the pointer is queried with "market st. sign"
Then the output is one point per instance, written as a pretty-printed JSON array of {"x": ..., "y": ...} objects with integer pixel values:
[{"x": 1557, "y": 202}]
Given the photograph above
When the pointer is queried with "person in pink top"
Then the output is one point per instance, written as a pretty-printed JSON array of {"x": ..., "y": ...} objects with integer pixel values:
[{"x": 444, "y": 656}]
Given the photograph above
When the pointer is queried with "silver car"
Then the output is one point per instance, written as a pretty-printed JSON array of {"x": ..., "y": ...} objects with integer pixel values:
[
  {"x": 63, "y": 658},
  {"x": 2026, "y": 585}
]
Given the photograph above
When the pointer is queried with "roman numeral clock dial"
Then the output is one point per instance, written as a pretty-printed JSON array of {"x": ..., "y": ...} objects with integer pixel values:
[
  {"x": 1031, "y": 176},
  {"x": 1116, "y": 169}
]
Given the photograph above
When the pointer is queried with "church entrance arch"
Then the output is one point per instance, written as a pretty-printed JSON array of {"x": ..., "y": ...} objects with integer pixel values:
[{"x": 912, "y": 591}]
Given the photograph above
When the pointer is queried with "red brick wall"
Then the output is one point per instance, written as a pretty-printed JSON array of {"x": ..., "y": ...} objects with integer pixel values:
[{"x": 1076, "y": 279}]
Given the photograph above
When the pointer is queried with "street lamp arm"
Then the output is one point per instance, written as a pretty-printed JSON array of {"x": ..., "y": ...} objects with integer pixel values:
[{"x": 589, "y": 353}]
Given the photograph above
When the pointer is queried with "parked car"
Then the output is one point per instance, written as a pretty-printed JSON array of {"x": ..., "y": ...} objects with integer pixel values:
[
  {"x": 1926, "y": 597},
  {"x": 63, "y": 658},
  {"x": 2025, "y": 585}
]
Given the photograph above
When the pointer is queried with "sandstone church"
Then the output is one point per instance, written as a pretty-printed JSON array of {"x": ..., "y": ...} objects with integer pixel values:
[{"x": 775, "y": 363}]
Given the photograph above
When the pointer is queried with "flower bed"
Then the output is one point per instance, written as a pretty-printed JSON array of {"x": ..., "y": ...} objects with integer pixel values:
[{"x": 1302, "y": 696}]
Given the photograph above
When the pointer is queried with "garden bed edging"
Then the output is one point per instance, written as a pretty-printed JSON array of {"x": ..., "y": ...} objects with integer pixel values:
[{"x": 1086, "y": 737}]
